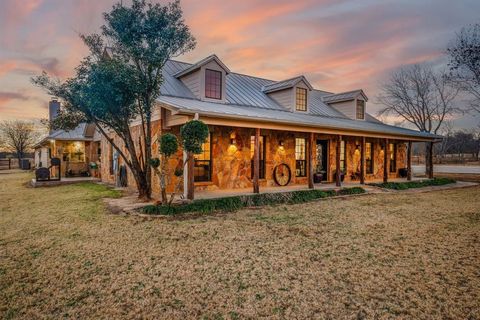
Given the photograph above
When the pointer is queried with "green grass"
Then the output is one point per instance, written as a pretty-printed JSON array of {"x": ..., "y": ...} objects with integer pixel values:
[
  {"x": 413, "y": 184},
  {"x": 230, "y": 204}
]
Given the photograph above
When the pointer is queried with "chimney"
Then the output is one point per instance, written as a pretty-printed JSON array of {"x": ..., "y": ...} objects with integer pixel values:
[{"x": 53, "y": 109}]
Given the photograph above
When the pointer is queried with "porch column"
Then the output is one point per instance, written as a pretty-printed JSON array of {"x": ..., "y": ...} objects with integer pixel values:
[
  {"x": 386, "y": 161},
  {"x": 338, "y": 181},
  {"x": 311, "y": 151},
  {"x": 256, "y": 161},
  {"x": 362, "y": 162},
  {"x": 430, "y": 169},
  {"x": 190, "y": 177},
  {"x": 409, "y": 161}
]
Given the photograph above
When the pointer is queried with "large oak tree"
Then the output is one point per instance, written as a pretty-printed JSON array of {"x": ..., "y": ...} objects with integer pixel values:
[{"x": 119, "y": 83}]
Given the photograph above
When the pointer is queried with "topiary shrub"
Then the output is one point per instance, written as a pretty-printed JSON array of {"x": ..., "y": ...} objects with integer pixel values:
[
  {"x": 168, "y": 144},
  {"x": 194, "y": 133}
]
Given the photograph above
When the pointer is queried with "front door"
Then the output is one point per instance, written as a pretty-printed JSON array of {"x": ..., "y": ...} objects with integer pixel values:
[{"x": 322, "y": 158}]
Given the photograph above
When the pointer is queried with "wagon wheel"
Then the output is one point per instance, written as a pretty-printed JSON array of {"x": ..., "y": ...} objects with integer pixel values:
[{"x": 282, "y": 174}]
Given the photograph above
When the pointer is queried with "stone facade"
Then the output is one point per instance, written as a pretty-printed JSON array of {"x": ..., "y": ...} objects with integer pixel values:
[{"x": 231, "y": 162}]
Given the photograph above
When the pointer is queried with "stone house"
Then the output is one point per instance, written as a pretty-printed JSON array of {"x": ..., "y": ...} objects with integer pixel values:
[
  {"x": 76, "y": 148},
  {"x": 266, "y": 133}
]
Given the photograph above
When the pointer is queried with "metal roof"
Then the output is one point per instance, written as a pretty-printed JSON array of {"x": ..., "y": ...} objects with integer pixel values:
[
  {"x": 285, "y": 84},
  {"x": 200, "y": 63},
  {"x": 79, "y": 133},
  {"x": 344, "y": 96},
  {"x": 192, "y": 106},
  {"x": 241, "y": 90}
]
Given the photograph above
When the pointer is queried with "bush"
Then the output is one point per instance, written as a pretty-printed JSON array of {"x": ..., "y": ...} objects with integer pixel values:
[
  {"x": 168, "y": 144},
  {"x": 230, "y": 204},
  {"x": 194, "y": 133},
  {"x": 413, "y": 184}
]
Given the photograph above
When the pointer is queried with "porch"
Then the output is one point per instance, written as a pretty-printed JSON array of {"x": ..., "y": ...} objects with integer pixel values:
[{"x": 258, "y": 160}]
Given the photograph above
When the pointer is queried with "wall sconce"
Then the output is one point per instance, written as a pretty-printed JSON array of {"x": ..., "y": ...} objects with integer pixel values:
[
  {"x": 232, "y": 138},
  {"x": 357, "y": 147},
  {"x": 281, "y": 143}
]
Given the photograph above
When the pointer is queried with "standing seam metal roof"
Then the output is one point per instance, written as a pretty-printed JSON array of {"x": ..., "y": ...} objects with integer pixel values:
[{"x": 245, "y": 99}]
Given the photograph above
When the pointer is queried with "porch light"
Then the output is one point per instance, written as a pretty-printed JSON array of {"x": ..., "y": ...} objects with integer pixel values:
[{"x": 233, "y": 141}]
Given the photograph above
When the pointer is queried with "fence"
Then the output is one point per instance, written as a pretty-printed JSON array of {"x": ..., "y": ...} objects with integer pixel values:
[{"x": 6, "y": 164}]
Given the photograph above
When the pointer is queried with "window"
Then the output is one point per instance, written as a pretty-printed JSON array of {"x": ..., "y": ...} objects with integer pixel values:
[
  {"x": 262, "y": 148},
  {"x": 202, "y": 170},
  {"x": 300, "y": 157},
  {"x": 343, "y": 156},
  {"x": 392, "y": 148},
  {"x": 360, "y": 109},
  {"x": 301, "y": 99},
  {"x": 368, "y": 158},
  {"x": 74, "y": 151},
  {"x": 213, "y": 84}
]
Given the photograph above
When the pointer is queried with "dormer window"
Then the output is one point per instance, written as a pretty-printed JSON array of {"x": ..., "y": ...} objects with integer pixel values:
[
  {"x": 213, "y": 84},
  {"x": 360, "y": 109},
  {"x": 301, "y": 99}
]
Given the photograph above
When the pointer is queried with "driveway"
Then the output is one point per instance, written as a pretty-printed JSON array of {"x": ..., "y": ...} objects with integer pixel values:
[{"x": 448, "y": 169}]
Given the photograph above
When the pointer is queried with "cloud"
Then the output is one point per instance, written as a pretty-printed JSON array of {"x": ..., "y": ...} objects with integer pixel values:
[{"x": 6, "y": 97}]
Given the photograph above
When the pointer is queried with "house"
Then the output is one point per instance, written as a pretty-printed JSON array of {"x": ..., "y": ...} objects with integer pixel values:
[
  {"x": 76, "y": 148},
  {"x": 271, "y": 133}
]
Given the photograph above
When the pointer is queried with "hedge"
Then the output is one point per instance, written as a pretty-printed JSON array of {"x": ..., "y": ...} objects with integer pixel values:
[
  {"x": 413, "y": 184},
  {"x": 230, "y": 204}
]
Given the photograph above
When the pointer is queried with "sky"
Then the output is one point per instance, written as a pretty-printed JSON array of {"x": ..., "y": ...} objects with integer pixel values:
[{"x": 338, "y": 45}]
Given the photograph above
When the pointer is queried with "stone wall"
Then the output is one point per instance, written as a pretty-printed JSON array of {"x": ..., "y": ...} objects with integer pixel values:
[{"x": 231, "y": 162}]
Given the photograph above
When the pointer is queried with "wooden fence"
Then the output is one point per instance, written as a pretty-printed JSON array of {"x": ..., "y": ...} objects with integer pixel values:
[{"x": 6, "y": 164}]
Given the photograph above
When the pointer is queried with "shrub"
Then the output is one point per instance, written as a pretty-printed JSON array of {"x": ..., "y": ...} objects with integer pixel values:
[
  {"x": 230, "y": 204},
  {"x": 194, "y": 133},
  {"x": 168, "y": 144},
  {"x": 413, "y": 184}
]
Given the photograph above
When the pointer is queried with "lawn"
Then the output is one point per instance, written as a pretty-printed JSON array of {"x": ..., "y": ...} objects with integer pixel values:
[{"x": 375, "y": 256}]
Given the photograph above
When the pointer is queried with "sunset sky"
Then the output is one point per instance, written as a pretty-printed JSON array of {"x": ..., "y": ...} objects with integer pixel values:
[{"x": 337, "y": 45}]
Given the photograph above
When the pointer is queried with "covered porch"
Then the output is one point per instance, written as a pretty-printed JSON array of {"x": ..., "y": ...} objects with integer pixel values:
[{"x": 239, "y": 160}]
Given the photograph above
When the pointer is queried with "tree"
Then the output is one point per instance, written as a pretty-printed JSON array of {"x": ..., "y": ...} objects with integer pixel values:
[
  {"x": 18, "y": 136},
  {"x": 464, "y": 63},
  {"x": 421, "y": 97},
  {"x": 113, "y": 89}
]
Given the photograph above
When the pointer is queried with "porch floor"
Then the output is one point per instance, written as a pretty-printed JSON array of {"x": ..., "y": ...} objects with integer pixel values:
[{"x": 210, "y": 194}]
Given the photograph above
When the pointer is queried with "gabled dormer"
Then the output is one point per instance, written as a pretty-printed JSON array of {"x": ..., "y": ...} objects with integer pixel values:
[
  {"x": 292, "y": 94},
  {"x": 206, "y": 79},
  {"x": 352, "y": 103}
]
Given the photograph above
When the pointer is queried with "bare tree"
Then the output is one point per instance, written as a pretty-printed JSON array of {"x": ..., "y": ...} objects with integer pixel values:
[
  {"x": 464, "y": 55},
  {"x": 421, "y": 97},
  {"x": 18, "y": 136}
]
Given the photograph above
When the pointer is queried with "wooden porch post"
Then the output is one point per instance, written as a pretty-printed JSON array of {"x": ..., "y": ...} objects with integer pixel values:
[
  {"x": 409, "y": 161},
  {"x": 386, "y": 161},
  {"x": 430, "y": 169},
  {"x": 256, "y": 161},
  {"x": 310, "y": 160},
  {"x": 190, "y": 177},
  {"x": 362, "y": 162},
  {"x": 338, "y": 181}
]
